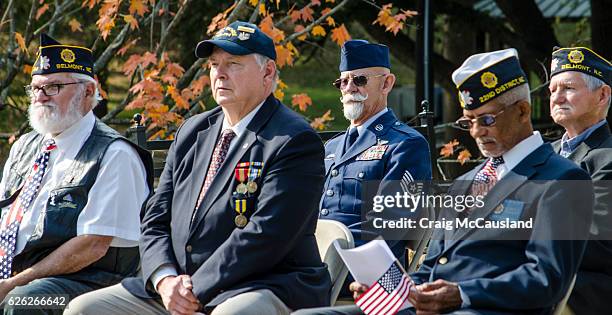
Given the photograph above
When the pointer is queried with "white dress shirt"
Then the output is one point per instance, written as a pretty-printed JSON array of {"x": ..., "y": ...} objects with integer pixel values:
[
  {"x": 518, "y": 153},
  {"x": 239, "y": 128},
  {"x": 115, "y": 199}
]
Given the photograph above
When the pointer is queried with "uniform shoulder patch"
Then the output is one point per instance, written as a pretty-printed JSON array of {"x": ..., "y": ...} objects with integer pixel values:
[{"x": 400, "y": 126}]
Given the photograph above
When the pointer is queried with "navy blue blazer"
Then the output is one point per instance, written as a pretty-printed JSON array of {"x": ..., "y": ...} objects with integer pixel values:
[
  {"x": 495, "y": 270},
  {"x": 593, "y": 288},
  {"x": 277, "y": 249}
]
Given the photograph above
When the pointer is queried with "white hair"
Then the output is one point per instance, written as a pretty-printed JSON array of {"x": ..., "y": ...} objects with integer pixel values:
[
  {"x": 519, "y": 93},
  {"x": 262, "y": 61},
  {"x": 83, "y": 77},
  {"x": 593, "y": 84}
]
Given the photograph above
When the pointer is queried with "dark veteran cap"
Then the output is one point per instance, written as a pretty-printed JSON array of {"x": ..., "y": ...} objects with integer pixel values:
[
  {"x": 238, "y": 38},
  {"x": 53, "y": 57},
  {"x": 359, "y": 53},
  {"x": 583, "y": 60},
  {"x": 483, "y": 77}
]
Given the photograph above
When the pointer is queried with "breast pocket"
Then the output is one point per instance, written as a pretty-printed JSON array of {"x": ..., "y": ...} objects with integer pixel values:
[
  {"x": 62, "y": 212},
  {"x": 359, "y": 185}
]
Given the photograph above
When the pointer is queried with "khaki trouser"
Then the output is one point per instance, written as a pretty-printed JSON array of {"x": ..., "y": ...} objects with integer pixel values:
[{"x": 116, "y": 300}]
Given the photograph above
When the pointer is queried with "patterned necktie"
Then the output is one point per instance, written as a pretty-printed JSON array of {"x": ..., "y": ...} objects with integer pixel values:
[
  {"x": 487, "y": 177},
  {"x": 12, "y": 218},
  {"x": 218, "y": 157},
  {"x": 350, "y": 139}
]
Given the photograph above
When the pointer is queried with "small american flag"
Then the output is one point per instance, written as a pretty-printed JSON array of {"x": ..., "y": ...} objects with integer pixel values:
[{"x": 387, "y": 295}]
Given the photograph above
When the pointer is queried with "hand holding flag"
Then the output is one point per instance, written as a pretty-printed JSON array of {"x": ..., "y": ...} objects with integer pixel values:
[{"x": 389, "y": 294}]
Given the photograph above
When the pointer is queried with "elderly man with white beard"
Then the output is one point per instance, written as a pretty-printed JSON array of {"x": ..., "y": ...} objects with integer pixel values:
[
  {"x": 71, "y": 191},
  {"x": 377, "y": 148}
]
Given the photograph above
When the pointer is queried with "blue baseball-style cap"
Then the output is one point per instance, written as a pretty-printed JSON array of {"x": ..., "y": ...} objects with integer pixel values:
[
  {"x": 238, "y": 38},
  {"x": 359, "y": 53}
]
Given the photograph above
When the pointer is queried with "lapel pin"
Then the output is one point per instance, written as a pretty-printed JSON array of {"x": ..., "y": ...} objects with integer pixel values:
[{"x": 499, "y": 209}]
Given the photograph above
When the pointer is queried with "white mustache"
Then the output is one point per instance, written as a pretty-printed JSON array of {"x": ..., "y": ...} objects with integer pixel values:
[
  {"x": 482, "y": 140},
  {"x": 353, "y": 98},
  {"x": 46, "y": 104}
]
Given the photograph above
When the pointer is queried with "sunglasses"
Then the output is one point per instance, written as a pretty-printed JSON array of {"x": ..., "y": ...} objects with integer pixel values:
[
  {"x": 486, "y": 120},
  {"x": 359, "y": 80}
]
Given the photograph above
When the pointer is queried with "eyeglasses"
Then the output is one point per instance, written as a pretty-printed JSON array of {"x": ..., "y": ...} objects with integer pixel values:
[
  {"x": 486, "y": 120},
  {"x": 359, "y": 80},
  {"x": 47, "y": 89}
]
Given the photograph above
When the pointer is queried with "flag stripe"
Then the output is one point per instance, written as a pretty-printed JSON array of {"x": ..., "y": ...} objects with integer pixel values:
[
  {"x": 388, "y": 294},
  {"x": 382, "y": 309},
  {"x": 372, "y": 301},
  {"x": 395, "y": 296},
  {"x": 402, "y": 300},
  {"x": 364, "y": 297},
  {"x": 374, "y": 294},
  {"x": 377, "y": 302},
  {"x": 401, "y": 297}
]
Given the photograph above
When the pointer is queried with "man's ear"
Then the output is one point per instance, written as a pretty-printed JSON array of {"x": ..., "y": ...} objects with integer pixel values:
[
  {"x": 604, "y": 96},
  {"x": 525, "y": 111},
  {"x": 270, "y": 71},
  {"x": 90, "y": 89},
  {"x": 388, "y": 83}
]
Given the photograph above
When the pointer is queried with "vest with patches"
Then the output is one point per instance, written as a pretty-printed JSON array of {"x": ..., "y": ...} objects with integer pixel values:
[{"x": 58, "y": 222}]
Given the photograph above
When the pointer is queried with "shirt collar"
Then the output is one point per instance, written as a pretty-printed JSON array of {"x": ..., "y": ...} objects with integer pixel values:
[
  {"x": 368, "y": 122},
  {"x": 519, "y": 152},
  {"x": 241, "y": 125},
  {"x": 76, "y": 134},
  {"x": 569, "y": 145}
]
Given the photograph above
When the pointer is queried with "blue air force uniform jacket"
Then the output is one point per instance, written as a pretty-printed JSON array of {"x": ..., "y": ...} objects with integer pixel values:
[{"x": 387, "y": 150}]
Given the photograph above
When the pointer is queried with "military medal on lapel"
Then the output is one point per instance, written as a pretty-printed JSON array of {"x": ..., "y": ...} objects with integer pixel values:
[
  {"x": 241, "y": 220},
  {"x": 241, "y": 173},
  {"x": 254, "y": 173},
  {"x": 246, "y": 174}
]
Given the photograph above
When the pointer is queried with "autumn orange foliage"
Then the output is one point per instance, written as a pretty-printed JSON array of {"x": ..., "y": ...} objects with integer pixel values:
[
  {"x": 449, "y": 149},
  {"x": 156, "y": 87}
]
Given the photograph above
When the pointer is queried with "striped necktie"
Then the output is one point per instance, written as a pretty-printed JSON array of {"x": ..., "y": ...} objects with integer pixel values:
[{"x": 10, "y": 220}]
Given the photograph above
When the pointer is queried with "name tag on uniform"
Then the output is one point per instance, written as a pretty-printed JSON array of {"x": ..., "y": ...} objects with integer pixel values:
[
  {"x": 509, "y": 209},
  {"x": 373, "y": 153}
]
